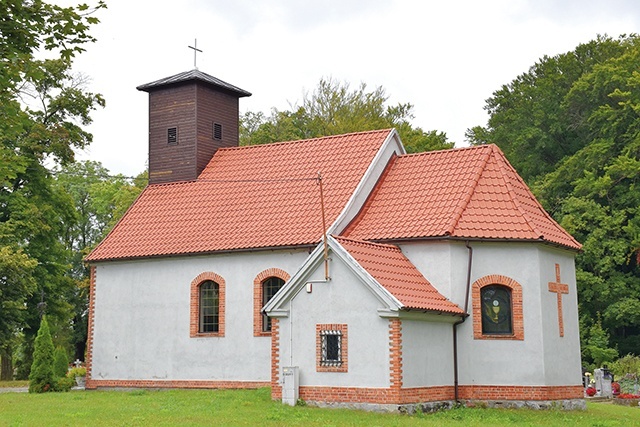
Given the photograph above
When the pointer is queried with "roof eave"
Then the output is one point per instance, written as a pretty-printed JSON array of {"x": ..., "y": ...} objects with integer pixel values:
[
  {"x": 202, "y": 253},
  {"x": 447, "y": 237}
]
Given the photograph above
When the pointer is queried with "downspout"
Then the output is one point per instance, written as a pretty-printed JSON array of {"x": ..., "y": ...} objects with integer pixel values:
[{"x": 461, "y": 321}]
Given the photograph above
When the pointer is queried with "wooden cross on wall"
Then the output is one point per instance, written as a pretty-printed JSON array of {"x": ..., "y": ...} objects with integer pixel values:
[{"x": 559, "y": 289}]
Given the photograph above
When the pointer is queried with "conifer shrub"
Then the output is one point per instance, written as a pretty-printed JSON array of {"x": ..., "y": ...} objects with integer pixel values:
[
  {"x": 64, "y": 384},
  {"x": 42, "y": 378},
  {"x": 60, "y": 363}
]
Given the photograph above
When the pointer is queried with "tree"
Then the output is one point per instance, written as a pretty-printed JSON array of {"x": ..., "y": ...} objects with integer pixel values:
[
  {"x": 16, "y": 283},
  {"x": 571, "y": 127},
  {"x": 528, "y": 117},
  {"x": 43, "y": 108},
  {"x": 333, "y": 109},
  {"x": 41, "y": 378},
  {"x": 60, "y": 362},
  {"x": 597, "y": 348}
]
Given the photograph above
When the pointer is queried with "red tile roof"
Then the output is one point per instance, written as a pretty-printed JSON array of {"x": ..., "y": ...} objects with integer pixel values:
[
  {"x": 247, "y": 197},
  {"x": 463, "y": 193},
  {"x": 391, "y": 269}
]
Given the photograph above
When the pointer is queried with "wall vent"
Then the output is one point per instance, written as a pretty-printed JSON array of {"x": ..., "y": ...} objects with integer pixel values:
[
  {"x": 217, "y": 131},
  {"x": 172, "y": 135}
]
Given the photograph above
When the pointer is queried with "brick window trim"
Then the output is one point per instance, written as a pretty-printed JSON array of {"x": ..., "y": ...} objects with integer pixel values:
[
  {"x": 257, "y": 298},
  {"x": 344, "y": 346},
  {"x": 195, "y": 305},
  {"x": 516, "y": 307}
]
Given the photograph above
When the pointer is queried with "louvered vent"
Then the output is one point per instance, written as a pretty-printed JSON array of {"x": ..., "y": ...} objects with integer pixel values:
[
  {"x": 172, "y": 135},
  {"x": 217, "y": 131}
]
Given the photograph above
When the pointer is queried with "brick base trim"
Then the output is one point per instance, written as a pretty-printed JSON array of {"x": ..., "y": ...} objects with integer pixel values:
[
  {"x": 94, "y": 384},
  {"x": 484, "y": 392},
  {"x": 436, "y": 394},
  {"x": 375, "y": 395}
]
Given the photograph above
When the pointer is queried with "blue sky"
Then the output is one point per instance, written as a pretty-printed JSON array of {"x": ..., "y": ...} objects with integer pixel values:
[{"x": 444, "y": 57}]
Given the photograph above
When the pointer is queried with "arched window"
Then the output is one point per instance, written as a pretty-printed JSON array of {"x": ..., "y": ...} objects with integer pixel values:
[
  {"x": 265, "y": 285},
  {"x": 207, "y": 306},
  {"x": 270, "y": 286},
  {"x": 209, "y": 316},
  {"x": 496, "y": 310}
]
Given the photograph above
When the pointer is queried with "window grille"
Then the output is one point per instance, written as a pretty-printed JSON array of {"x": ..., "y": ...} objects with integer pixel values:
[{"x": 331, "y": 348}]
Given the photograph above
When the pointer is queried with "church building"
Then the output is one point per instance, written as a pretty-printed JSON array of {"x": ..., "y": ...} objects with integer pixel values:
[{"x": 340, "y": 269}]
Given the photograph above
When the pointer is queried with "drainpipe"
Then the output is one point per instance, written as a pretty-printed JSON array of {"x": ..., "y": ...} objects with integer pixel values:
[{"x": 461, "y": 321}]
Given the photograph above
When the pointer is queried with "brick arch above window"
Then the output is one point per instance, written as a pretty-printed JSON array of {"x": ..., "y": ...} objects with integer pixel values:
[
  {"x": 257, "y": 297},
  {"x": 195, "y": 304},
  {"x": 516, "y": 307}
]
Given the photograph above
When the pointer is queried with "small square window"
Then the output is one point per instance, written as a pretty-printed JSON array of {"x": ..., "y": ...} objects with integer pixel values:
[
  {"x": 332, "y": 348},
  {"x": 217, "y": 131},
  {"x": 172, "y": 135}
]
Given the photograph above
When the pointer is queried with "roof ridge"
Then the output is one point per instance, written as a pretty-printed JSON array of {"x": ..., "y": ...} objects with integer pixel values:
[
  {"x": 299, "y": 141},
  {"x": 540, "y": 234},
  {"x": 447, "y": 150},
  {"x": 465, "y": 202},
  {"x": 514, "y": 196}
]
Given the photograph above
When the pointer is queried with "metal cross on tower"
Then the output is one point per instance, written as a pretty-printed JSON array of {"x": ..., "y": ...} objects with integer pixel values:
[{"x": 195, "y": 52}]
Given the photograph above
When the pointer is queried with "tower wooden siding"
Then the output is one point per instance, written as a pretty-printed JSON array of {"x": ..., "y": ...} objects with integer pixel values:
[{"x": 191, "y": 108}]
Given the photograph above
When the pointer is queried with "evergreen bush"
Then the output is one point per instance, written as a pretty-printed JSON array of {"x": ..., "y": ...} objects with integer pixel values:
[
  {"x": 60, "y": 362},
  {"x": 41, "y": 378}
]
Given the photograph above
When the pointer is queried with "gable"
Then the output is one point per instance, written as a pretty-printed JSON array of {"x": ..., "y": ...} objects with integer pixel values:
[{"x": 383, "y": 269}]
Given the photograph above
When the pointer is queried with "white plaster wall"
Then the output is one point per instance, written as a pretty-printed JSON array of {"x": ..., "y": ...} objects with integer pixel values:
[
  {"x": 561, "y": 354},
  {"x": 443, "y": 263},
  {"x": 542, "y": 358},
  {"x": 343, "y": 300},
  {"x": 427, "y": 353},
  {"x": 142, "y": 319},
  {"x": 505, "y": 362}
]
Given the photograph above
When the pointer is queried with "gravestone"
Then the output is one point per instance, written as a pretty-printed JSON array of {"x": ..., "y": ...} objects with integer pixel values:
[{"x": 603, "y": 383}]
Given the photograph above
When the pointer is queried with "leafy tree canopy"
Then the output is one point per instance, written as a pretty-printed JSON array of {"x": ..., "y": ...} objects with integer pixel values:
[
  {"x": 43, "y": 109},
  {"x": 333, "y": 109},
  {"x": 571, "y": 127}
]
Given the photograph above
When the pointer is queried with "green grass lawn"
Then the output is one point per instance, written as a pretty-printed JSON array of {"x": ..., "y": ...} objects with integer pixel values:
[{"x": 254, "y": 407}]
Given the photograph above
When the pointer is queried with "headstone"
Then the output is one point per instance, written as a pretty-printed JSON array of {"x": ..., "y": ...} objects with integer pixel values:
[
  {"x": 607, "y": 379},
  {"x": 597, "y": 376},
  {"x": 603, "y": 383}
]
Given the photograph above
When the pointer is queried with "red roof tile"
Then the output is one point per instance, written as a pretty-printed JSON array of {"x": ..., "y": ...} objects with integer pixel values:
[
  {"x": 247, "y": 197},
  {"x": 465, "y": 193},
  {"x": 391, "y": 269}
]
